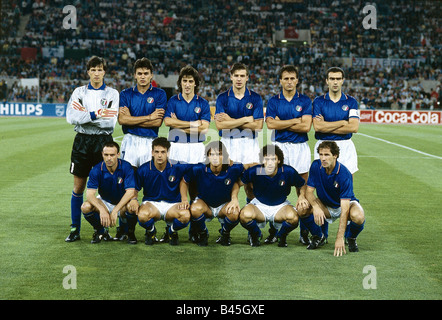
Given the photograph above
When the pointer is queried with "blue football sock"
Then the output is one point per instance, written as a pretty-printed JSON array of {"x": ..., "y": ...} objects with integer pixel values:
[
  {"x": 148, "y": 225},
  {"x": 324, "y": 228},
  {"x": 94, "y": 219},
  {"x": 131, "y": 221},
  {"x": 177, "y": 225},
  {"x": 76, "y": 202},
  {"x": 354, "y": 229},
  {"x": 314, "y": 229},
  {"x": 198, "y": 224},
  {"x": 228, "y": 225},
  {"x": 122, "y": 223},
  {"x": 286, "y": 228},
  {"x": 252, "y": 227},
  {"x": 302, "y": 227}
]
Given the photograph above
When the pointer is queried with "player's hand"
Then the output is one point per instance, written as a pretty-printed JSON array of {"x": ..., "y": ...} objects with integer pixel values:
[
  {"x": 222, "y": 116},
  {"x": 195, "y": 124},
  {"x": 319, "y": 217},
  {"x": 125, "y": 111},
  {"x": 339, "y": 248},
  {"x": 183, "y": 205},
  {"x": 157, "y": 114},
  {"x": 77, "y": 106},
  {"x": 233, "y": 207},
  {"x": 113, "y": 218},
  {"x": 133, "y": 206},
  {"x": 319, "y": 117},
  {"x": 108, "y": 113},
  {"x": 302, "y": 204},
  {"x": 104, "y": 219}
]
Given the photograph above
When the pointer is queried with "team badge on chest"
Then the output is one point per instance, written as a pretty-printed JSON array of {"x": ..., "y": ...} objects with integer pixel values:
[
  {"x": 298, "y": 108},
  {"x": 345, "y": 107},
  {"x": 172, "y": 178},
  {"x": 249, "y": 105},
  {"x": 150, "y": 100},
  {"x": 281, "y": 183},
  {"x": 227, "y": 182},
  {"x": 197, "y": 109},
  {"x": 103, "y": 102},
  {"x": 120, "y": 180},
  {"x": 336, "y": 184}
]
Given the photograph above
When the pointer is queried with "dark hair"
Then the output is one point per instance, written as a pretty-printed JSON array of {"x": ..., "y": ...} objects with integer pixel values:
[
  {"x": 336, "y": 69},
  {"x": 271, "y": 149},
  {"x": 334, "y": 149},
  {"x": 112, "y": 144},
  {"x": 218, "y": 145},
  {"x": 238, "y": 66},
  {"x": 189, "y": 71},
  {"x": 95, "y": 61},
  {"x": 143, "y": 63},
  {"x": 288, "y": 68},
  {"x": 162, "y": 142}
]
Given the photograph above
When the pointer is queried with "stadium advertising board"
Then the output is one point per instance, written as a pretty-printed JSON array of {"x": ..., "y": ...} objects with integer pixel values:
[
  {"x": 33, "y": 109},
  {"x": 401, "y": 117}
]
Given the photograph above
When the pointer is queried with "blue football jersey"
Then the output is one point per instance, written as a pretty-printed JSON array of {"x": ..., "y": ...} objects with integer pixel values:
[
  {"x": 142, "y": 105},
  {"x": 160, "y": 185},
  {"x": 330, "y": 189},
  {"x": 112, "y": 187},
  {"x": 250, "y": 105},
  {"x": 213, "y": 189},
  {"x": 197, "y": 109},
  {"x": 274, "y": 190},
  {"x": 299, "y": 106},
  {"x": 344, "y": 109}
]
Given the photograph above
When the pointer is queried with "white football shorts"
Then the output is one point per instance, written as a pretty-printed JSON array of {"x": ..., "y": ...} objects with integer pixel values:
[
  {"x": 347, "y": 154},
  {"x": 297, "y": 155},
  {"x": 269, "y": 212},
  {"x": 243, "y": 150},
  {"x": 136, "y": 149},
  {"x": 192, "y": 152}
]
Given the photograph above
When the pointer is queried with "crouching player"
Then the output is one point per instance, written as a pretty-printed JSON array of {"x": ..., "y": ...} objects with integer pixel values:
[
  {"x": 272, "y": 182},
  {"x": 114, "y": 180},
  {"x": 335, "y": 199},
  {"x": 164, "y": 194},
  {"x": 217, "y": 194}
]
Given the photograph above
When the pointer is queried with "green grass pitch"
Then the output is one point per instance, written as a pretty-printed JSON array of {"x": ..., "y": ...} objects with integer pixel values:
[{"x": 399, "y": 185}]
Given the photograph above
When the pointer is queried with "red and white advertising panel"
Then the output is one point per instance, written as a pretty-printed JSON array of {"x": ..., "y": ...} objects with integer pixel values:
[{"x": 400, "y": 117}]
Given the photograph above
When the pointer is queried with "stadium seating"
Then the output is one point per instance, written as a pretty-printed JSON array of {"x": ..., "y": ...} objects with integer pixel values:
[{"x": 210, "y": 35}]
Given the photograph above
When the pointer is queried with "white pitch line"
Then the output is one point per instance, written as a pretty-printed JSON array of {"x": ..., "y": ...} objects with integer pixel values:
[{"x": 400, "y": 146}]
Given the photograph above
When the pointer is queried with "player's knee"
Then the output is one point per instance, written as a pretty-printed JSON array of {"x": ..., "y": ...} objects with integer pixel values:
[
  {"x": 144, "y": 215},
  {"x": 357, "y": 214},
  {"x": 184, "y": 216},
  {"x": 86, "y": 207},
  {"x": 196, "y": 209},
  {"x": 246, "y": 214}
]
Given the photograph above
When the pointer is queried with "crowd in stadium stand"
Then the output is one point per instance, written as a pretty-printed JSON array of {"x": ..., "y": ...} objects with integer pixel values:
[{"x": 211, "y": 35}]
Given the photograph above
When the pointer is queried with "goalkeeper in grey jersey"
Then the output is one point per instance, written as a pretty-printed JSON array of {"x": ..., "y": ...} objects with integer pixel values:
[{"x": 93, "y": 109}]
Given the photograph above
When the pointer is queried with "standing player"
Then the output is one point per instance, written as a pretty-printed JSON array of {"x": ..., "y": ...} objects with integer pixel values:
[
  {"x": 336, "y": 118},
  {"x": 141, "y": 114},
  {"x": 164, "y": 193},
  {"x": 93, "y": 109},
  {"x": 217, "y": 193},
  {"x": 289, "y": 114},
  {"x": 188, "y": 116},
  {"x": 114, "y": 180},
  {"x": 335, "y": 199},
  {"x": 238, "y": 116},
  {"x": 272, "y": 182}
]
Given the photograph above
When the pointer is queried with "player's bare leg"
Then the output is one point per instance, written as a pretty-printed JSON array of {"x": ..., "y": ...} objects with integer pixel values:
[
  {"x": 249, "y": 217},
  {"x": 288, "y": 216}
]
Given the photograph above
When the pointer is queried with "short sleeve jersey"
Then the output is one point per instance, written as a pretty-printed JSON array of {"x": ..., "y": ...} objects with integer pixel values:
[
  {"x": 213, "y": 189},
  {"x": 142, "y": 104},
  {"x": 344, "y": 109},
  {"x": 274, "y": 190},
  {"x": 250, "y": 105},
  {"x": 197, "y": 109},
  {"x": 112, "y": 187},
  {"x": 330, "y": 189},
  {"x": 160, "y": 185},
  {"x": 299, "y": 106}
]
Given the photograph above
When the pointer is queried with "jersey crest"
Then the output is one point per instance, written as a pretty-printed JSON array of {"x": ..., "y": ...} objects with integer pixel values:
[
  {"x": 249, "y": 105},
  {"x": 150, "y": 100}
]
